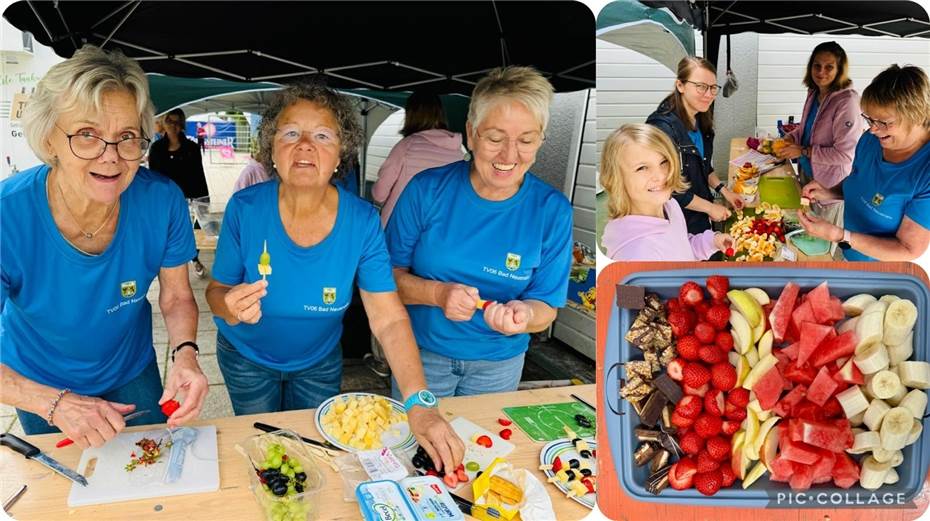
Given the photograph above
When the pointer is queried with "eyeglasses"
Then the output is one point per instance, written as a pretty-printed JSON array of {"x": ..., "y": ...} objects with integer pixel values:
[
  {"x": 877, "y": 123},
  {"x": 86, "y": 145},
  {"x": 703, "y": 87},
  {"x": 526, "y": 143},
  {"x": 290, "y": 134}
]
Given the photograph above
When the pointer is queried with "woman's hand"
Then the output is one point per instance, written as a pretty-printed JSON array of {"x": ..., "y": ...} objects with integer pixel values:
[
  {"x": 458, "y": 301},
  {"x": 791, "y": 151},
  {"x": 509, "y": 319},
  {"x": 436, "y": 436},
  {"x": 90, "y": 421},
  {"x": 244, "y": 302},
  {"x": 817, "y": 227},
  {"x": 817, "y": 192},
  {"x": 185, "y": 377},
  {"x": 733, "y": 198},
  {"x": 718, "y": 212},
  {"x": 723, "y": 241}
]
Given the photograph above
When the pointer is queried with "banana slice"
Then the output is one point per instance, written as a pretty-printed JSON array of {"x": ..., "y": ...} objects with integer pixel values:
[
  {"x": 891, "y": 477},
  {"x": 869, "y": 329},
  {"x": 885, "y": 384},
  {"x": 853, "y": 401},
  {"x": 857, "y": 420},
  {"x": 874, "y": 414},
  {"x": 888, "y": 299},
  {"x": 914, "y": 374},
  {"x": 855, "y": 305},
  {"x": 900, "y": 318},
  {"x": 915, "y": 432},
  {"x": 897, "y": 458},
  {"x": 876, "y": 307},
  {"x": 847, "y": 325},
  {"x": 873, "y": 358},
  {"x": 881, "y": 455},
  {"x": 896, "y": 428},
  {"x": 898, "y": 353},
  {"x": 864, "y": 442},
  {"x": 895, "y": 400},
  {"x": 916, "y": 402},
  {"x": 872, "y": 475}
]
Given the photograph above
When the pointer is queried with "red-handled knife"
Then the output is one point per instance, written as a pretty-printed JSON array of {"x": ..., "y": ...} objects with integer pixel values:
[{"x": 131, "y": 416}]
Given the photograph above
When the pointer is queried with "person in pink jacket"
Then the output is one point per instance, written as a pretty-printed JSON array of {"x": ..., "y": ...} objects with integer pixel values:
[
  {"x": 825, "y": 141},
  {"x": 640, "y": 168},
  {"x": 426, "y": 144}
]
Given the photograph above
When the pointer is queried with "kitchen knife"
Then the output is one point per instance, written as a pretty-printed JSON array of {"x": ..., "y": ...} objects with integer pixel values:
[
  {"x": 323, "y": 444},
  {"x": 131, "y": 416},
  {"x": 30, "y": 451}
]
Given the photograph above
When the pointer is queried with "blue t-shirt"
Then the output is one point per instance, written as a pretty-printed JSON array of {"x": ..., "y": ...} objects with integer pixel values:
[
  {"x": 78, "y": 321},
  {"x": 698, "y": 139},
  {"x": 879, "y": 194},
  {"x": 309, "y": 289},
  {"x": 519, "y": 248},
  {"x": 806, "y": 135}
]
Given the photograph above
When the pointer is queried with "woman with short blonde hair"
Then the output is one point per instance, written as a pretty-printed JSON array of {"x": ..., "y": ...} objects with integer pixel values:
[{"x": 641, "y": 169}]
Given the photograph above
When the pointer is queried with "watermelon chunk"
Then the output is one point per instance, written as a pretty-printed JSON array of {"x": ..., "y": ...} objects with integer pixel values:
[
  {"x": 780, "y": 316},
  {"x": 807, "y": 410},
  {"x": 845, "y": 471},
  {"x": 850, "y": 374},
  {"x": 803, "y": 313},
  {"x": 836, "y": 310},
  {"x": 768, "y": 389},
  {"x": 823, "y": 468},
  {"x": 799, "y": 452},
  {"x": 803, "y": 476},
  {"x": 800, "y": 374},
  {"x": 824, "y": 435},
  {"x": 795, "y": 430},
  {"x": 833, "y": 409},
  {"x": 811, "y": 337},
  {"x": 792, "y": 350},
  {"x": 834, "y": 348},
  {"x": 821, "y": 389},
  {"x": 819, "y": 300},
  {"x": 787, "y": 403},
  {"x": 781, "y": 469}
]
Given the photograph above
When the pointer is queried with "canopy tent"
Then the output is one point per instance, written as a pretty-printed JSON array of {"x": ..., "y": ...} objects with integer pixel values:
[
  {"x": 447, "y": 46},
  {"x": 648, "y": 31}
]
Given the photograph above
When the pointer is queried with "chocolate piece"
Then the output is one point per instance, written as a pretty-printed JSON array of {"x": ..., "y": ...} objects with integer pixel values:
[
  {"x": 643, "y": 434},
  {"x": 669, "y": 443},
  {"x": 638, "y": 406},
  {"x": 665, "y": 385},
  {"x": 631, "y": 297},
  {"x": 652, "y": 411},
  {"x": 643, "y": 454},
  {"x": 659, "y": 460},
  {"x": 658, "y": 480},
  {"x": 667, "y": 417}
]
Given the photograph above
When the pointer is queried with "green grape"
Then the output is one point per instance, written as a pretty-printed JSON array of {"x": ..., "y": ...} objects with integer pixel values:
[
  {"x": 298, "y": 468},
  {"x": 276, "y": 462}
]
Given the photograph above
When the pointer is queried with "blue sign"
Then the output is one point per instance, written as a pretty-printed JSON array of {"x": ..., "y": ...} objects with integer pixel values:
[{"x": 216, "y": 134}]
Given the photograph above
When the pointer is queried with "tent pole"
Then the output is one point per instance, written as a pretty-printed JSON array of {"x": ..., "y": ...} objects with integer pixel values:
[{"x": 120, "y": 24}]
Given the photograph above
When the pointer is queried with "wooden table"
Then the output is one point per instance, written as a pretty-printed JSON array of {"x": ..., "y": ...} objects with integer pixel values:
[
  {"x": 203, "y": 241},
  {"x": 47, "y": 496},
  {"x": 616, "y": 505},
  {"x": 738, "y": 147}
]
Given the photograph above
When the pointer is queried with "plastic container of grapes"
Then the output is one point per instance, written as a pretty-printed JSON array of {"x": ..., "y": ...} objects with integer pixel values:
[
  {"x": 843, "y": 284},
  {"x": 298, "y": 507}
]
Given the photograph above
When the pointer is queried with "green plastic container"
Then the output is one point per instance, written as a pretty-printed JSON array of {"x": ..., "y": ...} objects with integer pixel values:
[{"x": 782, "y": 191}]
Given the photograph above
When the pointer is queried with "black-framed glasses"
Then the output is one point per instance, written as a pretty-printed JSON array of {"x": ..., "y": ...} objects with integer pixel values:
[
  {"x": 703, "y": 87},
  {"x": 877, "y": 123},
  {"x": 86, "y": 145}
]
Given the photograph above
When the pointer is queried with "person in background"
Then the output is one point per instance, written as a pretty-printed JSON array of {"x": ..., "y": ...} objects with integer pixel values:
[
  {"x": 84, "y": 236},
  {"x": 825, "y": 141},
  {"x": 426, "y": 144},
  {"x": 201, "y": 138},
  {"x": 179, "y": 159},
  {"x": 253, "y": 172},
  {"x": 686, "y": 116},
  {"x": 640, "y": 169},
  {"x": 887, "y": 193}
]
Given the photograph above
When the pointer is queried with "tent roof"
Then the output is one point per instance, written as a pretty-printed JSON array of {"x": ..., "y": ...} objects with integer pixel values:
[
  {"x": 378, "y": 45},
  {"x": 649, "y": 31}
]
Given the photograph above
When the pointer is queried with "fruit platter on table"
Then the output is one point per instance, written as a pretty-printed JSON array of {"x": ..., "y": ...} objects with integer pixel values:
[
  {"x": 571, "y": 465},
  {"x": 758, "y": 233},
  {"x": 782, "y": 380}
]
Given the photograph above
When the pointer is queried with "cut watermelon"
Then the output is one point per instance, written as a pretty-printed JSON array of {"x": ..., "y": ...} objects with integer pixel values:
[
  {"x": 795, "y": 430},
  {"x": 819, "y": 300},
  {"x": 850, "y": 374},
  {"x": 834, "y": 348},
  {"x": 803, "y": 375},
  {"x": 811, "y": 337},
  {"x": 821, "y": 389},
  {"x": 780, "y": 316},
  {"x": 807, "y": 410},
  {"x": 792, "y": 350},
  {"x": 781, "y": 469},
  {"x": 787, "y": 403},
  {"x": 845, "y": 471},
  {"x": 803, "y": 313},
  {"x": 799, "y": 452},
  {"x": 803, "y": 476},
  {"x": 823, "y": 468},
  {"x": 825, "y": 435},
  {"x": 768, "y": 389},
  {"x": 836, "y": 310}
]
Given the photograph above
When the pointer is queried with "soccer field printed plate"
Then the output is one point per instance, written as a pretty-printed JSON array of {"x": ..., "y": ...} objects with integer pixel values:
[
  {"x": 843, "y": 284},
  {"x": 564, "y": 450},
  {"x": 395, "y": 436}
]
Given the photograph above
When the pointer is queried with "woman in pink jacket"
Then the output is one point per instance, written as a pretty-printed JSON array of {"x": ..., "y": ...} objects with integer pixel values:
[
  {"x": 426, "y": 144},
  {"x": 825, "y": 142}
]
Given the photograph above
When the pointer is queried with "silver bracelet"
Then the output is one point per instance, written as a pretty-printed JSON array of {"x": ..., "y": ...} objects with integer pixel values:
[{"x": 51, "y": 409}]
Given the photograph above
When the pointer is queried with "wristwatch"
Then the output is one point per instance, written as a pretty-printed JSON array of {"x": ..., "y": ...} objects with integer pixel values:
[
  {"x": 844, "y": 244},
  {"x": 182, "y": 345},
  {"x": 719, "y": 187},
  {"x": 422, "y": 398}
]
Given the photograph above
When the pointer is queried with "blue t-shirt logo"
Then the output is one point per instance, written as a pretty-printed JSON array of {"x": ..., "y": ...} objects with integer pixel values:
[
  {"x": 877, "y": 199},
  {"x": 512, "y": 262},
  {"x": 128, "y": 289},
  {"x": 329, "y": 296}
]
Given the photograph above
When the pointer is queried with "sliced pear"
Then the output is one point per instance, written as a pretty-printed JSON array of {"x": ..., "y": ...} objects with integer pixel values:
[
  {"x": 747, "y": 305},
  {"x": 752, "y": 355},
  {"x": 763, "y": 432},
  {"x": 769, "y": 448},
  {"x": 760, "y": 295},
  {"x": 760, "y": 329},
  {"x": 742, "y": 369},
  {"x": 765, "y": 344},
  {"x": 742, "y": 331},
  {"x": 758, "y": 371},
  {"x": 754, "y": 474},
  {"x": 752, "y": 431}
]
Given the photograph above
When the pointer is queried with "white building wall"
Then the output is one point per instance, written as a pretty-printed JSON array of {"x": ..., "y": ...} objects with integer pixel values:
[{"x": 382, "y": 141}]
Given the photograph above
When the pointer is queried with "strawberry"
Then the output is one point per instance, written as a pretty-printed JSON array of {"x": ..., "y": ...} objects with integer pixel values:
[
  {"x": 724, "y": 340},
  {"x": 689, "y": 406},
  {"x": 718, "y": 448},
  {"x": 696, "y": 391},
  {"x": 707, "y": 425},
  {"x": 690, "y": 293},
  {"x": 706, "y": 463},
  {"x": 729, "y": 427},
  {"x": 714, "y": 403},
  {"x": 695, "y": 375},
  {"x": 681, "y": 474},
  {"x": 717, "y": 286},
  {"x": 708, "y": 483},
  {"x": 169, "y": 407},
  {"x": 723, "y": 376},
  {"x": 688, "y": 346},
  {"x": 711, "y": 354},
  {"x": 672, "y": 304},
  {"x": 675, "y": 369},
  {"x": 733, "y": 412},
  {"x": 738, "y": 397},
  {"x": 680, "y": 421},
  {"x": 701, "y": 309},
  {"x": 691, "y": 443},
  {"x": 705, "y": 332},
  {"x": 718, "y": 316},
  {"x": 726, "y": 473},
  {"x": 682, "y": 322}
]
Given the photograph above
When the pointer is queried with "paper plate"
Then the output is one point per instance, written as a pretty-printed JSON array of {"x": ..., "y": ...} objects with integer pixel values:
[
  {"x": 565, "y": 450},
  {"x": 398, "y": 436}
]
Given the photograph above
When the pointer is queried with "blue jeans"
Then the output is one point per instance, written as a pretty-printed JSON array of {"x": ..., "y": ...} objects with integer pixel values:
[
  {"x": 450, "y": 377},
  {"x": 254, "y": 388},
  {"x": 144, "y": 391}
]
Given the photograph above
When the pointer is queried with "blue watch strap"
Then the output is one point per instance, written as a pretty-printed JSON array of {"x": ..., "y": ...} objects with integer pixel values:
[{"x": 423, "y": 398}]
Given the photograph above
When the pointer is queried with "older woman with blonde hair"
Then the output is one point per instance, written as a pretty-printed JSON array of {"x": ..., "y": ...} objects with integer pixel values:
[
  {"x": 482, "y": 248},
  {"x": 84, "y": 235},
  {"x": 640, "y": 169},
  {"x": 278, "y": 327},
  {"x": 887, "y": 194}
]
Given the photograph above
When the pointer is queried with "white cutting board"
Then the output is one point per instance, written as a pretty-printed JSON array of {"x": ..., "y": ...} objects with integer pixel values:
[
  {"x": 110, "y": 482},
  {"x": 483, "y": 456}
]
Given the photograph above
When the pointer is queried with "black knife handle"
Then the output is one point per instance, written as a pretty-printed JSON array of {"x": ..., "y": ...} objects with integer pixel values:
[
  {"x": 19, "y": 445},
  {"x": 271, "y": 428}
]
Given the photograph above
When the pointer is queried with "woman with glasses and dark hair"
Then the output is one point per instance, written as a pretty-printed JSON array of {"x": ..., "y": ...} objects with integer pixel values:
[
  {"x": 825, "y": 142},
  {"x": 887, "y": 193},
  {"x": 84, "y": 235},
  {"x": 686, "y": 116},
  {"x": 279, "y": 326},
  {"x": 484, "y": 230}
]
